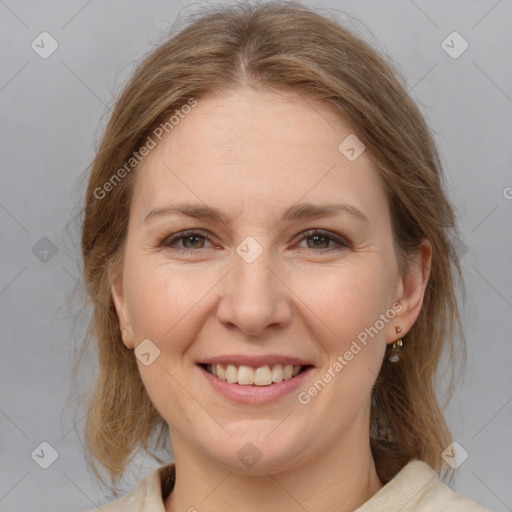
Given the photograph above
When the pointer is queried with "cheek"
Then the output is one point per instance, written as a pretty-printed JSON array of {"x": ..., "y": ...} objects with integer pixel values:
[
  {"x": 165, "y": 307},
  {"x": 347, "y": 299},
  {"x": 342, "y": 309},
  {"x": 164, "y": 301},
  {"x": 349, "y": 313}
]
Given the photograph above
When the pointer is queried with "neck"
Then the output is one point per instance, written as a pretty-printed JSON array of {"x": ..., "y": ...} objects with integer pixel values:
[{"x": 340, "y": 480}]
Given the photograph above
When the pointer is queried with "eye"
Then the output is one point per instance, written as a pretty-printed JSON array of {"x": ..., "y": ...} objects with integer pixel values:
[
  {"x": 194, "y": 240},
  {"x": 321, "y": 240}
]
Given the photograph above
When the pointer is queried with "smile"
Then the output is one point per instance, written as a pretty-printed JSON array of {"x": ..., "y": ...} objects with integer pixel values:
[
  {"x": 254, "y": 385},
  {"x": 265, "y": 375}
]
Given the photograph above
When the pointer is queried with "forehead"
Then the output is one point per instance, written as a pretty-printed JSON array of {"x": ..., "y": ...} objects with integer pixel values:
[{"x": 248, "y": 150}]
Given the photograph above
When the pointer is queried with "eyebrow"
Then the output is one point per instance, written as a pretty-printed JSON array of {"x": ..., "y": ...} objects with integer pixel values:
[{"x": 293, "y": 213}]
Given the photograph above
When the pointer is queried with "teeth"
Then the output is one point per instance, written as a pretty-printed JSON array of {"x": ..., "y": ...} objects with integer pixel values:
[
  {"x": 246, "y": 375},
  {"x": 262, "y": 376},
  {"x": 231, "y": 373},
  {"x": 277, "y": 373}
]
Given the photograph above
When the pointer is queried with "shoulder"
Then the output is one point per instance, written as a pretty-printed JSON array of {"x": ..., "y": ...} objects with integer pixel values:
[
  {"x": 146, "y": 496},
  {"x": 417, "y": 488}
]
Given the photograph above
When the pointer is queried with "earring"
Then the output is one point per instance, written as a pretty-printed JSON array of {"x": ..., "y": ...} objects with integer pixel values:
[{"x": 394, "y": 355}]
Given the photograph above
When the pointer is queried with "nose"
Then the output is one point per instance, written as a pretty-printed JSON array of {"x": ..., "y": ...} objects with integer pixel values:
[{"x": 255, "y": 297}]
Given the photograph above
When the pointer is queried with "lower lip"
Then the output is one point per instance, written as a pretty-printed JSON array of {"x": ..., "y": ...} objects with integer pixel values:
[{"x": 252, "y": 394}]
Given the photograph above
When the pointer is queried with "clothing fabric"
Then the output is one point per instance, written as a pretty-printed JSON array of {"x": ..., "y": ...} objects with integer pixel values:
[{"x": 416, "y": 488}]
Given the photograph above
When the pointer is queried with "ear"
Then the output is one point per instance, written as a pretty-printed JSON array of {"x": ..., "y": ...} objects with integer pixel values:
[
  {"x": 125, "y": 325},
  {"x": 411, "y": 291}
]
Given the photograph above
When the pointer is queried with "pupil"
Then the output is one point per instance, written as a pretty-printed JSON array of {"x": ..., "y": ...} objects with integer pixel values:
[
  {"x": 191, "y": 239},
  {"x": 316, "y": 238}
]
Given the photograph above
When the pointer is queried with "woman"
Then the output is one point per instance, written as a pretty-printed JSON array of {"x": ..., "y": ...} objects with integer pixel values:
[{"x": 268, "y": 247}]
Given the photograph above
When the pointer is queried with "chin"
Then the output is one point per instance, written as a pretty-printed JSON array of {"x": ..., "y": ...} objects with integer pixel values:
[{"x": 260, "y": 453}]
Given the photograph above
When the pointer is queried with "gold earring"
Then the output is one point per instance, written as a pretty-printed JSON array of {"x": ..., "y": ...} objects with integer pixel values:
[{"x": 394, "y": 353}]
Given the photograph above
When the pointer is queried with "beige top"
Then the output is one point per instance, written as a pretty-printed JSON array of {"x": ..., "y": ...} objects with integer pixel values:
[{"x": 416, "y": 488}]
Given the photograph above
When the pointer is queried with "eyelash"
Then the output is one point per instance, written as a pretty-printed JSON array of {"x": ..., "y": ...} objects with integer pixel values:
[{"x": 169, "y": 242}]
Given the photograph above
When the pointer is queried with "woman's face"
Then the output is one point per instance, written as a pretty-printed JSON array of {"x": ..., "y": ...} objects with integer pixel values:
[{"x": 256, "y": 288}]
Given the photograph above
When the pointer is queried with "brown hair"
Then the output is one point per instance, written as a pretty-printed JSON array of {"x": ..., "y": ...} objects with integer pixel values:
[{"x": 283, "y": 46}]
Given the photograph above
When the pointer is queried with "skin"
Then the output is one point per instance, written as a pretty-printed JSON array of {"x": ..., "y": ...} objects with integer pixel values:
[{"x": 252, "y": 154}]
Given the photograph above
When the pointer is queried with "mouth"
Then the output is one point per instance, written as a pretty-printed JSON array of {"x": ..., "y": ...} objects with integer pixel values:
[{"x": 264, "y": 375}]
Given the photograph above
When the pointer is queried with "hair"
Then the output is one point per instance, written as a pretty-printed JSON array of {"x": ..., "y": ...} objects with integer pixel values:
[{"x": 283, "y": 47}]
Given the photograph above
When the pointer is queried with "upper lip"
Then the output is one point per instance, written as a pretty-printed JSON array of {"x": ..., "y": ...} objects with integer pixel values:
[{"x": 255, "y": 361}]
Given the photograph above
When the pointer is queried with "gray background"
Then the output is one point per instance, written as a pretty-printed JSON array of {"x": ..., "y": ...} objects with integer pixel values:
[{"x": 52, "y": 113}]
